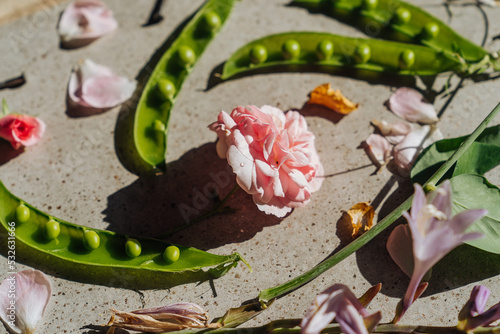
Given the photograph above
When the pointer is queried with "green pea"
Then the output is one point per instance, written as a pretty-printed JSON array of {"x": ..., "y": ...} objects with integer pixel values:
[
  {"x": 431, "y": 30},
  {"x": 159, "y": 125},
  {"x": 211, "y": 20},
  {"x": 324, "y": 50},
  {"x": 171, "y": 254},
  {"x": 91, "y": 240},
  {"x": 406, "y": 59},
  {"x": 291, "y": 49},
  {"x": 258, "y": 54},
  {"x": 369, "y": 4},
  {"x": 186, "y": 55},
  {"x": 133, "y": 248},
  {"x": 52, "y": 229},
  {"x": 362, "y": 53},
  {"x": 166, "y": 89},
  {"x": 22, "y": 213},
  {"x": 402, "y": 16}
]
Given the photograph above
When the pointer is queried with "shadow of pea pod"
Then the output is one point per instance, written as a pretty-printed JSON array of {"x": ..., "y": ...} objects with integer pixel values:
[
  {"x": 154, "y": 205},
  {"x": 7, "y": 152}
]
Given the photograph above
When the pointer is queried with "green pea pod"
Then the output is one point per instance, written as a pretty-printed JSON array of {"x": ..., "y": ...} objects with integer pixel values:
[
  {"x": 401, "y": 21},
  {"x": 153, "y": 110},
  {"x": 326, "y": 52},
  {"x": 98, "y": 256}
]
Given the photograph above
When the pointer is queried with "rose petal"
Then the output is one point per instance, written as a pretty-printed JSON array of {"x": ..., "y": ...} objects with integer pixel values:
[
  {"x": 32, "y": 290},
  {"x": 84, "y": 21},
  {"x": 96, "y": 86},
  {"x": 393, "y": 132},
  {"x": 409, "y": 104}
]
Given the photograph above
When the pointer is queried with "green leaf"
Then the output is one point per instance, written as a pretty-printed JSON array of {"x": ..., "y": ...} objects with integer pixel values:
[
  {"x": 482, "y": 156},
  {"x": 475, "y": 192},
  {"x": 5, "y": 108}
]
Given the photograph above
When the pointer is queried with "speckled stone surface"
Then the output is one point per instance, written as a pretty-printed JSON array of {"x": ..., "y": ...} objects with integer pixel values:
[{"x": 75, "y": 174}]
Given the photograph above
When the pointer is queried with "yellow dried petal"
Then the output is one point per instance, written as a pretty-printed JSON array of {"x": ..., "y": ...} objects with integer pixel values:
[
  {"x": 332, "y": 99},
  {"x": 361, "y": 217}
]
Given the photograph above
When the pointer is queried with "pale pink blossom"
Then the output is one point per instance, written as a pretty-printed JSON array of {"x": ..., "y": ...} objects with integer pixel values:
[
  {"x": 96, "y": 86},
  {"x": 339, "y": 303},
  {"x": 29, "y": 291},
  {"x": 84, "y": 21},
  {"x": 410, "y": 105},
  {"x": 378, "y": 149},
  {"x": 394, "y": 133},
  {"x": 434, "y": 233},
  {"x": 272, "y": 154},
  {"x": 20, "y": 130}
]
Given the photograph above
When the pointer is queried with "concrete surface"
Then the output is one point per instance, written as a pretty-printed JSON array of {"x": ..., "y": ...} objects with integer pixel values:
[{"x": 74, "y": 173}]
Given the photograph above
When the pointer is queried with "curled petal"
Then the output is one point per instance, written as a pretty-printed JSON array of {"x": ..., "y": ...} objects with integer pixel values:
[
  {"x": 378, "y": 149},
  {"x": 84, "y": 21},
  {"x": 393, "y": 132},
  {"x": 361, "y": 218},
  {"x": 332, "y": 99},
  {"x": 410, "y": 105},
  {"x": 27, "y": 293},
  {"x": 96, "y": 86},
  {"x": 407, "y": 150}
]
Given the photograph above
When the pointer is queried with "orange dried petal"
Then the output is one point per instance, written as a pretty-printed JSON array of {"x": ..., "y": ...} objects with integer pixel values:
[
  {"x": 361, "y": 216},
  {"x": 332, "y": 99}
]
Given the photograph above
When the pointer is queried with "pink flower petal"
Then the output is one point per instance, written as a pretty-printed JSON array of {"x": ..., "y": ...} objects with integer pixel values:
[
  {"x": 378, "y": 149},
  {"x": 399, "y": 246},
  {"x": 84, "y": 21},
  {"x": 32, "y": 291},
  {"x": 410, "y": 105},
  {"x": 393, "y": 132},
  {"x": 96, "y": 86}
]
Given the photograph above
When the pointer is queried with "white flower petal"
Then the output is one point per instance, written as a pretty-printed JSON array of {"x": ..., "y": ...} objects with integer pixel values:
[
  {"x": 32, "y": 290},
  {"x": 84, "y": 21}
]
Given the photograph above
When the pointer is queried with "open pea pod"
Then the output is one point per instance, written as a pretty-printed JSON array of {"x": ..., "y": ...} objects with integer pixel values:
[
  {"x": 153, "y": 110},
  {"x": 400, "y": 21},
  {"x": 301, "y": 51},
  {"x": 101, "y": 257}
]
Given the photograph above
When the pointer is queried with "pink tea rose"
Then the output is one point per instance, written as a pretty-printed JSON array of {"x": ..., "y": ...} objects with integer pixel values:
[
  {"x": 272, "y": 154},
  {"x": 21, "y": 130}
]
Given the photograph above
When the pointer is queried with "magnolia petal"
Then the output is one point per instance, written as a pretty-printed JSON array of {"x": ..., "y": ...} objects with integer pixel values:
[
  {"x": 350, "y": 321},
  {"x": 399, "y": 246},
  {"x": 96, "y": 86},
  {"x": 332, "y": 99},
  {"x": 33, "y": 291},
  {"x": 460, "y": 222},
  {"x": 84, "y": 21},
  {"x": 361, "y": 218},
  {"x": 409, "y": 104},
  {"x": 378, "y": 149}
]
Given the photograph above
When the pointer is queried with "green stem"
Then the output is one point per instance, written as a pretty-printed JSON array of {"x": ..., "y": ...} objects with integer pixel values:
[
  {"x": 219, "y": 208},
  {"x": 279, "y": 291},
  {"x": 291, "y": 326}
]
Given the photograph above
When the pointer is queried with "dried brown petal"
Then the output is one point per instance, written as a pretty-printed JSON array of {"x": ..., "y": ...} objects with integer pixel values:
[
  {"x": 332, "y": 99},
  {"x": 361, "y": 216}
]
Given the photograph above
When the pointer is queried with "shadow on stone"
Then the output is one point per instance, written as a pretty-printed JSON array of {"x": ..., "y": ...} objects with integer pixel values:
[
  {"x": 7, "y": 152},
  {"x": 190, "y": 187}
]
